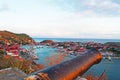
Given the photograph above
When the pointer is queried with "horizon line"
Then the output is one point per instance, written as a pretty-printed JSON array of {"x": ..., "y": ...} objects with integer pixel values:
[{"x": 71, "y": 38}]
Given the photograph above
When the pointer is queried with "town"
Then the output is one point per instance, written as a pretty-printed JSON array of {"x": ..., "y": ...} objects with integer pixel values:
[
  {"x": 76, "y": 48},
  {"x": 72, "y": 48}
]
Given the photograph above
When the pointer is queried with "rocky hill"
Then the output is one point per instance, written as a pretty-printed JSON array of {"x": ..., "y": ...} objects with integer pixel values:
[
  {"x": 47, "y": 41},
  {"x": 9, "y": 37}
]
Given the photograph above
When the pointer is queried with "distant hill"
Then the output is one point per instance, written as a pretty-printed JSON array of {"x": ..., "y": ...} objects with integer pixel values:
[
  {"x": 10, "y": 37},
  {"x": 47, "y": 41},
  {"x": 113, "y": 44}
]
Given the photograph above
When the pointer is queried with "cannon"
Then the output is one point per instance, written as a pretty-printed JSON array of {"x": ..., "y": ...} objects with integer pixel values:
[{"x": 70, "y": 69}]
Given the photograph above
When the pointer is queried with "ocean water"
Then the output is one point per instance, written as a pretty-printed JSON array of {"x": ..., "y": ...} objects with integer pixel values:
[
  {"x": 77, "y": 40},
  {"x": 112, "y": 68}
]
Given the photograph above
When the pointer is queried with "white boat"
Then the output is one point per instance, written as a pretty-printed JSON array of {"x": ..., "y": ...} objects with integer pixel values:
[{"x": 109, "y": 58}]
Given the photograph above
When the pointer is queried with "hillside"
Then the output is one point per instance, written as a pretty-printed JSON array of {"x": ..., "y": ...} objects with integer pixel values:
[
  {"x": 113, "y": 44},
  {"x": 10, "y": 37},
  {"x": 47, "y": 41}
]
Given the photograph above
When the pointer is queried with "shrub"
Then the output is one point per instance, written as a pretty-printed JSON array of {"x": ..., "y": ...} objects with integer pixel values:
[
  {"x": 16, "y": 62},
  {"x": 1, "y": 52}
]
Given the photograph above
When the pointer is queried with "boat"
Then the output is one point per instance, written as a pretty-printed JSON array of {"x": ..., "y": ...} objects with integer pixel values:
[{"x": 109, "y": 58}]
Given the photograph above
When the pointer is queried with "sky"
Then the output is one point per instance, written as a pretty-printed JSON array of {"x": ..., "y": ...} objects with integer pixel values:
[{"x": 62, "y": 18}]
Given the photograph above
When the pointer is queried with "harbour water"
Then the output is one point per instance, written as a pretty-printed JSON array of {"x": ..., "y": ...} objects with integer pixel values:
[
  {"x": 112, "y": 68},
  {"x": 44, "y": 52}
]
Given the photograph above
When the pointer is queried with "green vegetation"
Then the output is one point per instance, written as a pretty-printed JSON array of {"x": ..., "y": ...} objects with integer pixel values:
[
  {"x": 15, "y": 38},
  {"x": 112, "y": 43},
  {"x": 1, "y": 52},
  {"x": 113, "y": 47},
  {"x": 47, "y": 41},
  {"x": 26, "y": 66}
]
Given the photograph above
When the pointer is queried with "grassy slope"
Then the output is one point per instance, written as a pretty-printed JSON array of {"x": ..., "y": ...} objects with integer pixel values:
[{"x": 13, "y": 37}]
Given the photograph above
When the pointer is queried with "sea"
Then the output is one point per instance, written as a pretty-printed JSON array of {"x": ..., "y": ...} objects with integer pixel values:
[
  {"x": 77, "y": 40},
  {"x": 111, "y": 68}
]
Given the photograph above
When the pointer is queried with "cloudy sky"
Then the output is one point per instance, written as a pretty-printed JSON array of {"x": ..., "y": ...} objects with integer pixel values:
[{"x": 62, "y": 18}]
